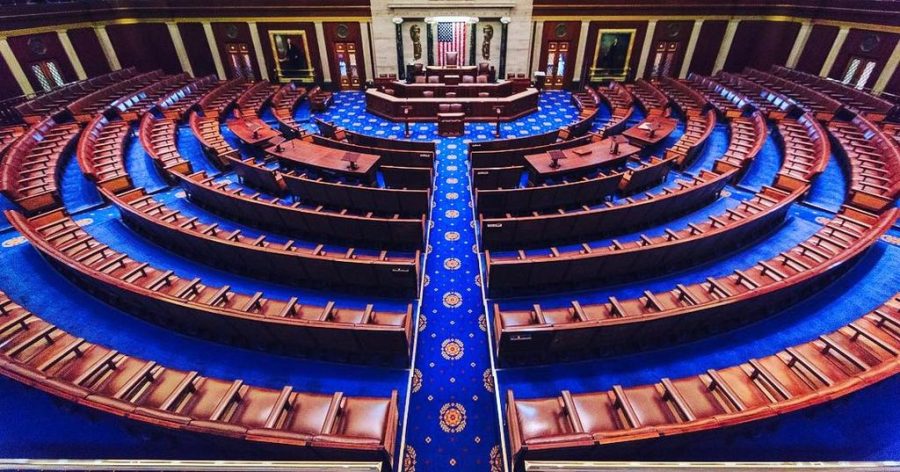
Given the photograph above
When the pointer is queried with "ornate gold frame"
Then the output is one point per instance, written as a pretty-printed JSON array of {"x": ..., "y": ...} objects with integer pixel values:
[
  {"x": 279, "y": 77},
  {"x": 595, "y": 73}
]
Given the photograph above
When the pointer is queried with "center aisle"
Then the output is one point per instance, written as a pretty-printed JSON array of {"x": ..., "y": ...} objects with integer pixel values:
[{"x": 452, "y": 421}]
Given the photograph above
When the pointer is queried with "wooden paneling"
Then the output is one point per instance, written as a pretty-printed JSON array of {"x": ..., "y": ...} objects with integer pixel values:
[
  {"x": 236, "y": 32},
  {"x": 34, "y": 48},
  {"x": 711, "y": 34},
  {"x": 759, "y": 44},
  {"x": 87, "y": 47},
  {"x": 197, "y": 48},
  {"x": 865, "y": 11},
  {"x": 858, "y": 44},
  {"x": 560, "y": 31},
  {"x": 354, "y": 35},
  {"x": 590, "y": 52},
  {"x": 146, "y": 46},
  {"x": 8, "y": 85},
  {"x": 670, "y": 31},
  {"x": 821, "y": 39},
  {"x": 314, "y": 56}
]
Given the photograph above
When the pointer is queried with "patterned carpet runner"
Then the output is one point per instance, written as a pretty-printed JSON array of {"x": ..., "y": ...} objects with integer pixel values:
[{"x": 452, "y": 422}]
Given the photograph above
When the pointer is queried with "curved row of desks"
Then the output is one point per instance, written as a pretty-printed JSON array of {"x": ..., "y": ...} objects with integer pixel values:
[
  {"x": 302, "y": 424},
  {"x": 591, "y": 425}
]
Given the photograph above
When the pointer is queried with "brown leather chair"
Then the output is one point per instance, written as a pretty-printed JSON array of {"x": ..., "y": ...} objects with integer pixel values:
[
  {"x": 484, "y": 94},
  {"x": 444, "y": 108},
  {"x": 428, "y": 94},
  {"x": 481, "y": 79},
  {"x": 451, "y": 59},
  {"x": 420, "y": 79},
  {"x": 433, "y": 79},
  {"x": 468, "y": 79},
  {"x": 451, "y": 95}
]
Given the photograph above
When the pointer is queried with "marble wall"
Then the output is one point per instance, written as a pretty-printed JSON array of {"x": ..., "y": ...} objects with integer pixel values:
[{"x": 414, "y": 12}]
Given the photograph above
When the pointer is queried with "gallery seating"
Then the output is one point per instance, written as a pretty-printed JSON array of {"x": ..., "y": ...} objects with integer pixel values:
[
  {"x": 317, "y": 222},
  {"x": 220, "y": 99},
  {"x": 28, "y": 175},
  {"x": 876, "y": 109},
  {"x": 773, "y": 105},
  {"x": 558, "y": 226},
  {"x": 49, "y": 104},
  {"x": 873, "y": 160},
  {"x": 100, "y": 153},
  {"x": 728, "y": 103},
  {"x": 645, "y": 256},
  {"x": 319, "y": 426},
  {"x": 176, "y": 104},
  {"x": 820, "y": 105},
  {"x": 158, "y": 139},
  {"x": 806, "y": 149},
  {"x": 253, "y": 320},
  {"x": 591, "y": 425},
  {"x": 84, "y": 109},
  {"x": 388, "y": 272},
  {"x": 406, "y": 202},
  {"x": 621, "y": 103},
  {"x": 892, "y": 130},
  {"x": 206, "y": 130},
  {"x": 284, "y": 103},
  {"x": 650, "y": 98},
  {"x": 8, "y": 135},
  {"x": 131, "y": 106},
  {"x": 690, "y": 311},
  {"x": 686, "y": 98}
]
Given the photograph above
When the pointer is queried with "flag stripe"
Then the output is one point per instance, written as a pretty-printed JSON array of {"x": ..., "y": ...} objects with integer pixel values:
[{"x": 451, "y": 37}]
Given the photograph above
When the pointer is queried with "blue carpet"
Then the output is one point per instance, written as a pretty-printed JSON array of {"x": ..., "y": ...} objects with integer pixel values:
[
  {"x": 800, "y": 225},
  {"x": 829, "y": 188},
  {"x": 77, "y": 191},
  {"x": 452, "y": 419},
  {"x": 140, "y": 167},
  {"x": 41, "y": 289},
  {"x": 765, "y": 165},
  {"x": 872, "y": 281},
  {"x": 190, "y": 149}
]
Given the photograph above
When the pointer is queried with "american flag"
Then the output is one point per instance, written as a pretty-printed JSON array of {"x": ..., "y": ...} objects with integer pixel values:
[{"x": 451, "y": 37}]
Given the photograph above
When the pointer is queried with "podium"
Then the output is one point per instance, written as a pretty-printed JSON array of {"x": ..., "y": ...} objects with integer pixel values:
[{"x": 451, "y": 119}]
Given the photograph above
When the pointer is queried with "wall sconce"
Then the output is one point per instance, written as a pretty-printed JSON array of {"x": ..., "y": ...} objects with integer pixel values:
[
  {"x": 397, "y": 20},
  {"x": 505, "y": 20}
]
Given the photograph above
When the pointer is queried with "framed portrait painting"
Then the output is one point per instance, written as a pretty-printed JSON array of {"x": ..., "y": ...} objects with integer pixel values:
[
  {"x": 292, "y": 60},
  {"x": 612, "y": 55}
]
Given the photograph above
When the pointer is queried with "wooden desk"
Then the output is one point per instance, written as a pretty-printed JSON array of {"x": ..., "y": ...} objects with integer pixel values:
[
  {"x": 300, "y": 153},
  {"x": 640, "y": 135},
  {"x": 476, "y": 109},
  {"x": 252, "y": 132},
  {"x": 581, "y": 159}
]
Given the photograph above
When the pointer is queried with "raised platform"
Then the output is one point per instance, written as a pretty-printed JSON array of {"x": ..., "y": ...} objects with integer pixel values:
[{"x": 475, "y": 108}]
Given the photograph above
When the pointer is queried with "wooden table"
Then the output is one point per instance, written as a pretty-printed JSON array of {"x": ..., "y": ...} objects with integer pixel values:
[
  {"x": 640, "y": 133},
  {"x": 300, "y": 153},
  {"x": 252, "y": 132},
  {"x": 475, "y": 108},
  {"x": 581, "y": 159}
]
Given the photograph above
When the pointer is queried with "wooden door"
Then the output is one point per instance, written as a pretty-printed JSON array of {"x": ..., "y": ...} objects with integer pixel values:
[
  {"x": 557, "y": 64},
  {"x": 664, "y": 56},
  {"x": 348, "y": 69}
]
